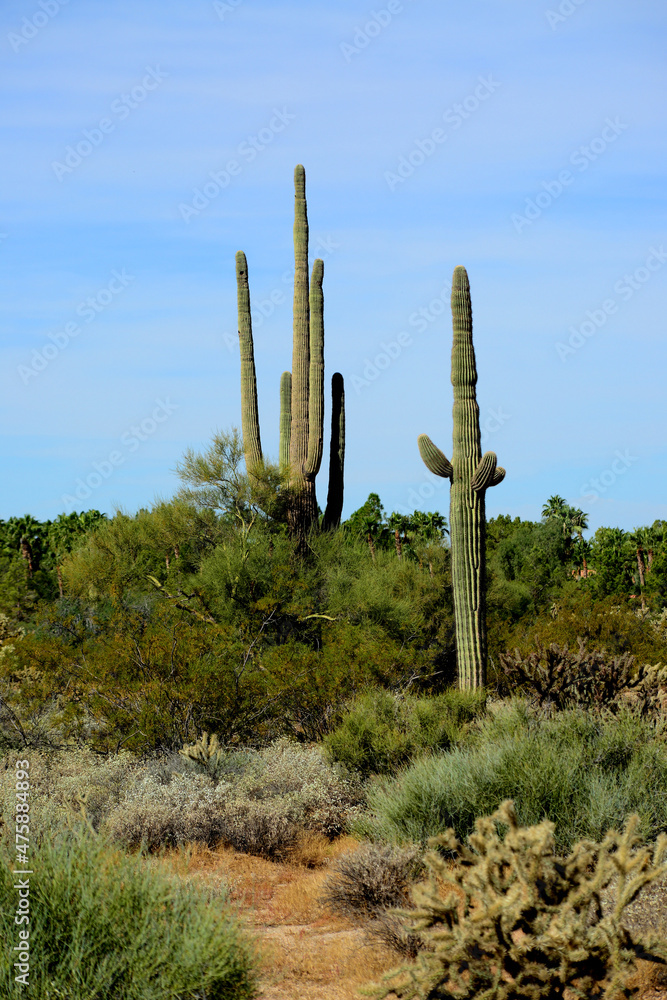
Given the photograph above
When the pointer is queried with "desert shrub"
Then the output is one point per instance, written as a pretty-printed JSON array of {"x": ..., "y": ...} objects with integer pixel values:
[
  {"x": 583, "y": 772},
  {"x": 519, "y": 922},
  {"x": 268, "y": 829},
  {"x": 325, "y": 795},
  {"x": 187, "y": 808},
  {"x": 371, "y": 879},
  {"x": 261, "y": 807},
  {"x": 104, "y": 926},
  {"x": 382, "y": 731},
  {"x": 560, "y": 677},
  {"x": 208, "y": 757},
  {"x": 64, "y": 780}
]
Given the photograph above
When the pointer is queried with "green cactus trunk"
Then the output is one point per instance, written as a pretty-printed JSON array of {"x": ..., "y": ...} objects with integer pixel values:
[
  {"x": 252, "y": 444},
  {"x": 307, "y": 375},
  {"x": 471, "y": 474},
  {"x": 334, "y": 507}
]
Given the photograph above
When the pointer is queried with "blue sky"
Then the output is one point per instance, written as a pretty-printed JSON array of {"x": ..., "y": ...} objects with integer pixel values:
[{"x": 525, "y": 140}]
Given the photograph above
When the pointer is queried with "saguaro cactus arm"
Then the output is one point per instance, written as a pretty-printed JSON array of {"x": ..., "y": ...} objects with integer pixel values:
[
  {"x": 285, "y": 418},
  {"x": 252, "y": 444},
  {"x": 316, "y": 373},
  {"x": 434, "y": 459},
  {"x": 485, "y": 471}
]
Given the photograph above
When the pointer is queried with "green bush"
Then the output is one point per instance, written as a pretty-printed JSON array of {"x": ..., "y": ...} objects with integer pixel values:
[
  {"x": 582, "y": 772},
  {"x": 104, "y": 926},
  {"x": 383, "y": 731}
]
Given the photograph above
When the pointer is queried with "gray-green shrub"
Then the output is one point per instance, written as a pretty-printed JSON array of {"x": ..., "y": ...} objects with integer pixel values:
[
  {"x": 260, "y": 809},
  {"x": 260, "y": 804},
  {"x": 582, "y": 772}
]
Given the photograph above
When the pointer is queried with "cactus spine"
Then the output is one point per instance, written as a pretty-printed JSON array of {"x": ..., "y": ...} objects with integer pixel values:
[
  {"x": 471, "y": 474},
  {"x": 301, "y": 390}
]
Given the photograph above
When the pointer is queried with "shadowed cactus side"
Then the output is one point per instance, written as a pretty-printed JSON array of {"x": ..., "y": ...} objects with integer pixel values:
[
  {"x": 301, "y": 390},
  {"x": 470, "y": 474},
  {"x": 334, "y": 508}
]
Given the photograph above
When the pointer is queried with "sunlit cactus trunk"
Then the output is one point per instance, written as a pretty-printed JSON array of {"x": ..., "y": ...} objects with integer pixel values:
[
  {"x": 252, "y": 444},
  {"x": 471, "y": 474}
]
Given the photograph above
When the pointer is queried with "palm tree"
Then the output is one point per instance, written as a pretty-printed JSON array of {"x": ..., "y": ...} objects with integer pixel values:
[
  {"x": 399, "y": 523},
  {"x": 573, "y": 520},
  {"x": 555, "y": 507},
  {"x": 642, "y": 540}
]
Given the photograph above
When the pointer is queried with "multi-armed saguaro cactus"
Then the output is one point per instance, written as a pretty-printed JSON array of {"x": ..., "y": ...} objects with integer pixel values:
[
  {"x": 301, "y": 390},
  {"x": 471, "y": 474}
]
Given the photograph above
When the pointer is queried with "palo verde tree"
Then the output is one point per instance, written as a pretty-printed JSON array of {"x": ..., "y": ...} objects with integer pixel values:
[
  {"x": 470, "y": 474},
  {"x": 301, "y": 390}
]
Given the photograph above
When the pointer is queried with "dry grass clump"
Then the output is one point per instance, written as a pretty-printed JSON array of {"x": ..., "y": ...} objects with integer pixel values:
[{"x": 372, "y": 879}]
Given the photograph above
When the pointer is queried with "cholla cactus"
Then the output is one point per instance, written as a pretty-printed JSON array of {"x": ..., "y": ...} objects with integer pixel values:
[
  {"x": 206, "y": 752},
  {"x": 520, "y": 924}
]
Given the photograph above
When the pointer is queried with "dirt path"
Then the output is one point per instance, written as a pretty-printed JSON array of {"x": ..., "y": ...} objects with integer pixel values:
[{"x": 307, "y": 952}]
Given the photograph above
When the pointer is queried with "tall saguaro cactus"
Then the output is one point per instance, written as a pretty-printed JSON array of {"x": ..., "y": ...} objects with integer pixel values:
[
  {"x": 471, "y": 474},
  {"x": 252, "y": 444},
  {"x": 301, "y": 390}
]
